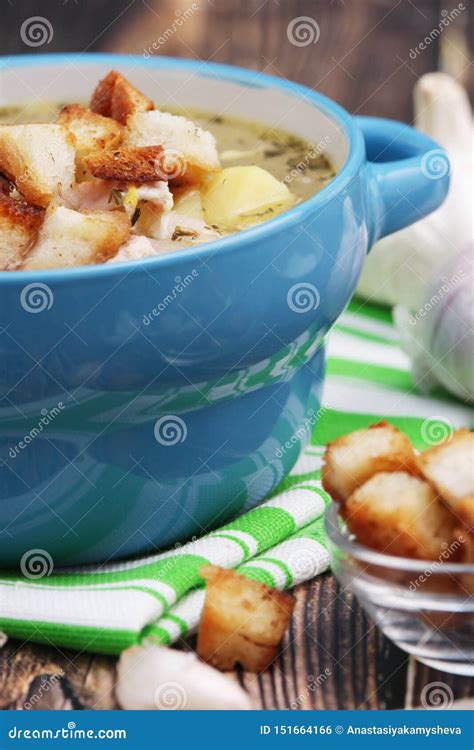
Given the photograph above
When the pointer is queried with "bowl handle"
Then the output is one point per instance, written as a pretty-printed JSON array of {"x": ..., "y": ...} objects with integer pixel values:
[{"x": 406, "y": 175}]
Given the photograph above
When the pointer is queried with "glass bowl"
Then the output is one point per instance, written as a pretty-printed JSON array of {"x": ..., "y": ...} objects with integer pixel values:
[{"x": 426, "y": 608}]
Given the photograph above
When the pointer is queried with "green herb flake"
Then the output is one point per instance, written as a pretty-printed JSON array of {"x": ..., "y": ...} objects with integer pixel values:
[{"x": 183, "y": 232}]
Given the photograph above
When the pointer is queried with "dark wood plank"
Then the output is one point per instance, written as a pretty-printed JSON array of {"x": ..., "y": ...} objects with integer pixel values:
[
  {"x": 361, "y": 57},
  {"x": 42, "y": 677},
  {"x": 332, "y": 656}
]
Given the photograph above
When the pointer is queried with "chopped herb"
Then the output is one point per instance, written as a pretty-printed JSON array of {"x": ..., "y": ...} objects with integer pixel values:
[
  {"x": 116, "y": 196},
  {"x": 183, "y": 232},
  {"x": 260, "y": 213},
  {"x": 270, "y": 153},
  {"x": 136, "y": 216}
]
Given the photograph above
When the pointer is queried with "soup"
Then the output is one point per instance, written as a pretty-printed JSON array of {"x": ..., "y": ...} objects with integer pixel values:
[{"x": 122, "y": 181}]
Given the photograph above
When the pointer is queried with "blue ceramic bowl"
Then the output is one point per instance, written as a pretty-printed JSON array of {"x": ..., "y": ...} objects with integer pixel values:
[{"x": 145, "y": 403}]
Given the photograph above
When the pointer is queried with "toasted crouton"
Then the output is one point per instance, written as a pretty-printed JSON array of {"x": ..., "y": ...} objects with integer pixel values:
[
  {"x": 449, "y": 467},
  {"x": 69, "y": 238},
  {"x": 127, "y": 164},
  {"x": 19, "y": 224},
  {"x": 399, "y": 514},
  {"x": 188, "y": 151},
  {"x": 39, "y": 159},
  {"x": 91, "y": 131},
  {"x": 243, "y": 621},
  {"x": 115, "y": 97},
  {"x": 352, "y": 459}
]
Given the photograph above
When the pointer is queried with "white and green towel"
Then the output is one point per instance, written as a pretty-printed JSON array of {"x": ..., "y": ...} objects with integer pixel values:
[{"x": 280, "y": 543}]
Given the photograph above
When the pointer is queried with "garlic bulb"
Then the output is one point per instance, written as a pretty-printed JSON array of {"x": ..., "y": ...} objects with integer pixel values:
[
  {"x": 156, "y": 677},
  {"x": 439, "y": 336},
  {"x": 398, "y": 266}
]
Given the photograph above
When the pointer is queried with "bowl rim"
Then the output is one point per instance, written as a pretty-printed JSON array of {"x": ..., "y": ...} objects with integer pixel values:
[
  {"x": 342, "y": 539},
  {"x": 284, "y": 222}
]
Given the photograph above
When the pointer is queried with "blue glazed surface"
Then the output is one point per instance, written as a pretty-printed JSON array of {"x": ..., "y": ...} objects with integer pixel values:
[{"x": 234, "y": 366}]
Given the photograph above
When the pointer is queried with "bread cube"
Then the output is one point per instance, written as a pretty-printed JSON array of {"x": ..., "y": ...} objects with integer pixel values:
[
  {"x": 91, "y": 131},
  {"x": 39, "y": 159},
  {"x": 115, "y": 97},
  {"x": 401, "y": 515},
  {"x": 189, "y": 152},
  {"x": 69, "y": 238},
  {"x": 19, "y": 224},
  {"x": 449, "y": 467},
  {"x": 242, "y": 622},
  {"x": 127, "y": 164},
  {"x": 352, "y": 459}
]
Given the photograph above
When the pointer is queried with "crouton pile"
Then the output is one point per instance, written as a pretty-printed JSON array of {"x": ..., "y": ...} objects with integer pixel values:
[
  {"x": 71, "y": 192},
  {"x": 401, "y": 503}
]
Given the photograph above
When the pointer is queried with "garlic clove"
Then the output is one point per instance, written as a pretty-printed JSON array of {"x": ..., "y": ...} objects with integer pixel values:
[
  {"x": 443, "y": 111},
  {"x": 400, "y": 266},
  {"x": 156, "y": 677},
  {"x": 439, "y": 336}
]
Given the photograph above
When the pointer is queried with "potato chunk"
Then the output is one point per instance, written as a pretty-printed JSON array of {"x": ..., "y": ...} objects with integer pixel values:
[
  {"x": 189, "y": 152},
  {"x": 19, "y": 224},
  {"x": 399, "y": 514},
  {"x": 115, "y": 97},
  {"x": 240, "y": 196},
  {"x": 69, "y": 238},
  {"x": 243, "y": 621},
  {"x": 39, "y": 159},
  {"x": 449, "y": 467},
  {"x": 352, "y": 459},
  {"x": 188, "y": 201},
  {"x": 91, "y": 131}
]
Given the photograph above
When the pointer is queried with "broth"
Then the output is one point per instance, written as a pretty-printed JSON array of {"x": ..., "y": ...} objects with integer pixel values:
[
  {"x": 265, "y": 171},
  {"x": 297, "y": 163}
]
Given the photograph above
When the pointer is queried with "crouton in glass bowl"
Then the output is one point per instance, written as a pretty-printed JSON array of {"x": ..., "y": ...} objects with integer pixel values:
[{"x": 425, "y": 607}]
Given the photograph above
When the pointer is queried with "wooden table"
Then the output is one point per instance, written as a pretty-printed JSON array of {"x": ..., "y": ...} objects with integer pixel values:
[{"x": 362, "y": 59}]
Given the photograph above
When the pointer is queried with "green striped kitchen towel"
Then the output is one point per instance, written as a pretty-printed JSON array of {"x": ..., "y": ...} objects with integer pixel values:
[
  {"x": 109, "y": 608},
  {"x": 280, "y": 543}
]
